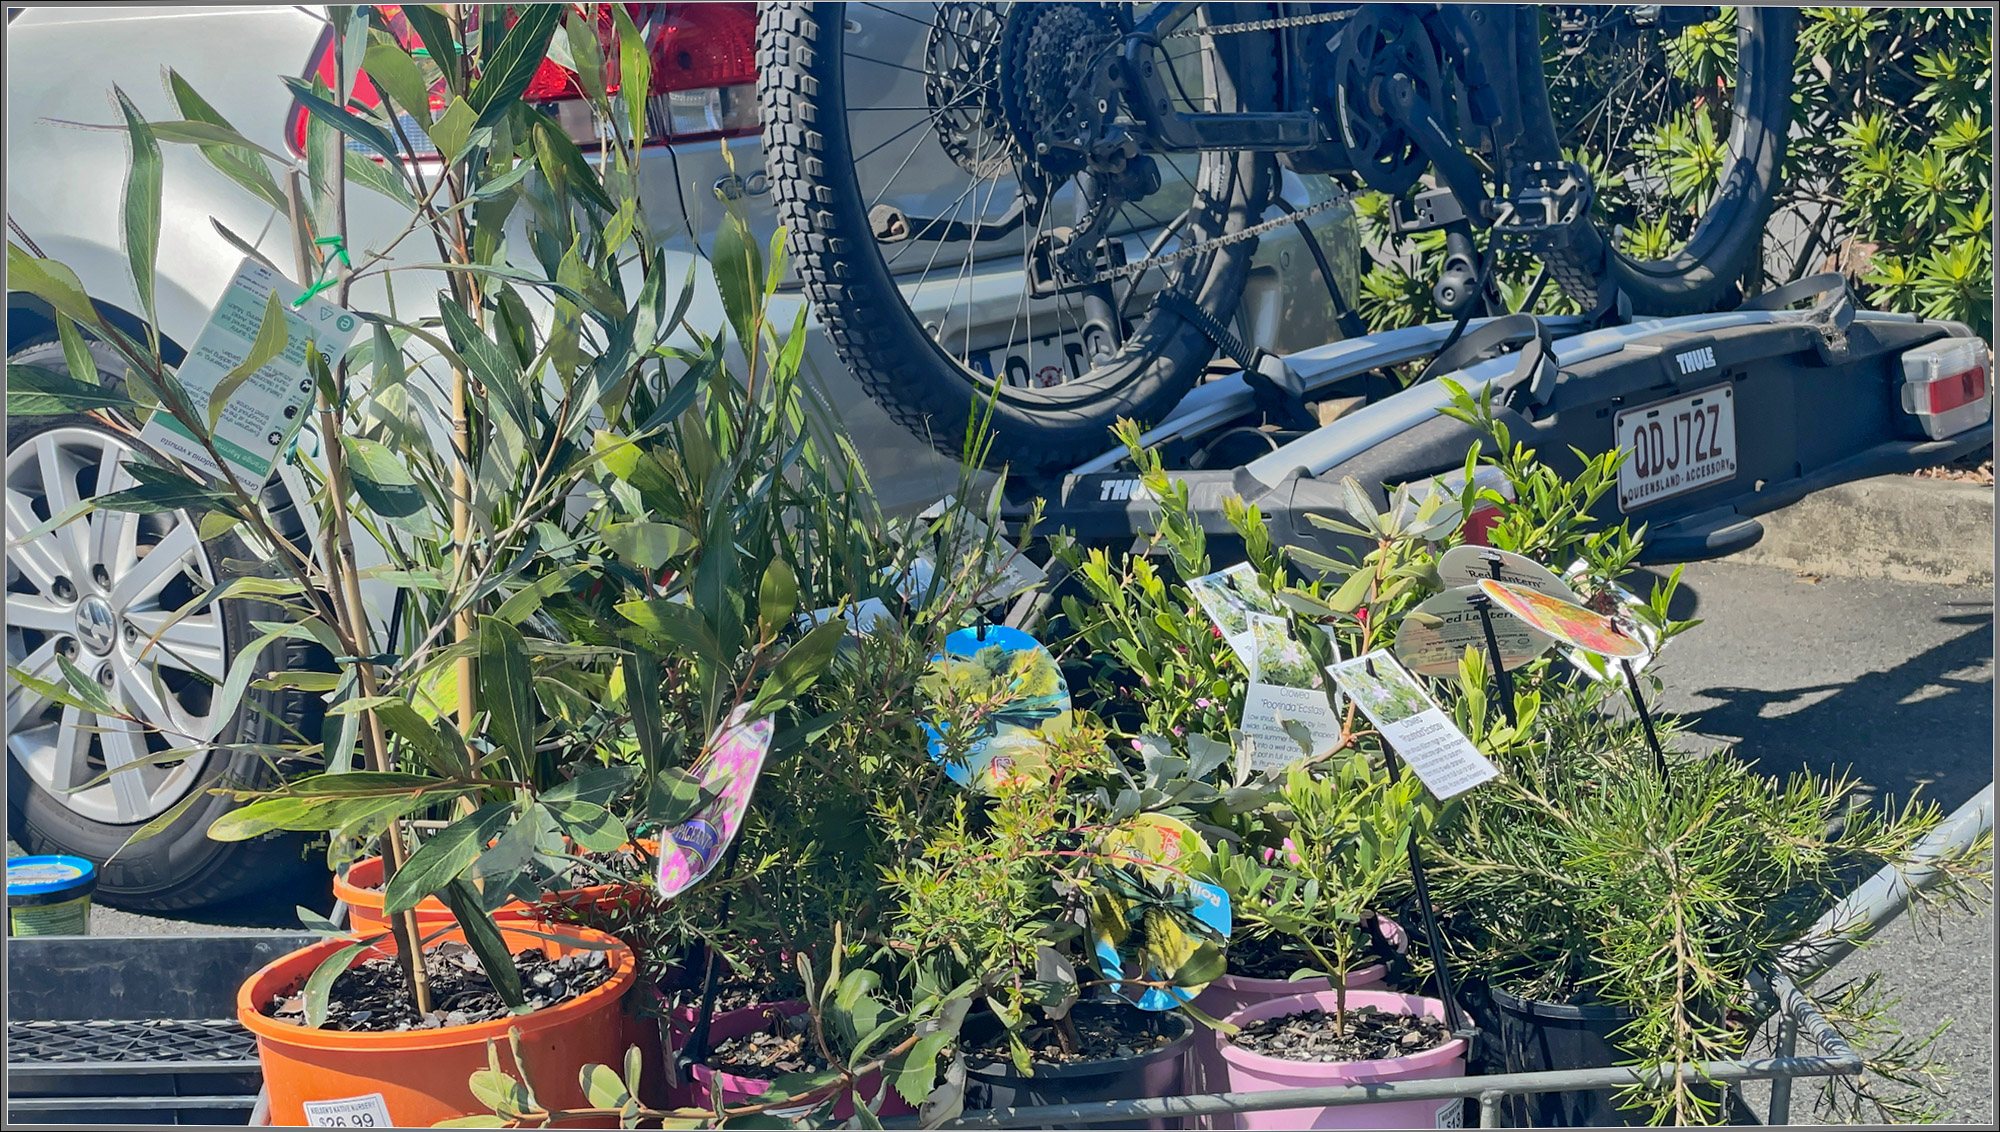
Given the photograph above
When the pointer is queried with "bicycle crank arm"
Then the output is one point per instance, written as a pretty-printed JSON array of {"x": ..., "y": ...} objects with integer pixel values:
[{"x": 1460, "y": 176}]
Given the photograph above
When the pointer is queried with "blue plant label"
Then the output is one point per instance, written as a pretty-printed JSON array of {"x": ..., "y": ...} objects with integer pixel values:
[{"x": 1018, "y": 692}]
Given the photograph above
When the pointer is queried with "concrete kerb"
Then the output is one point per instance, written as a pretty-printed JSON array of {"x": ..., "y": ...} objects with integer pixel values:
[{"x": 1903, "y": 528}]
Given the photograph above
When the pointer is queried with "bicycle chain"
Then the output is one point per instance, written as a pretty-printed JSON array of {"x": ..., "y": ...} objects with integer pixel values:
[
  {"x": 1140, "y": 267},
  {"x": 1277, "y": 24}
]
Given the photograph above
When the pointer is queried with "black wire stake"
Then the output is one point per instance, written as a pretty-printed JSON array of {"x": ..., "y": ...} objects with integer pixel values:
[
  {"x": 1484, "y": 605},
  {"x": 1452, "y": 1017},
  {"x": 696, "y": 1048},
  {"x": 1645, "y": 717}
]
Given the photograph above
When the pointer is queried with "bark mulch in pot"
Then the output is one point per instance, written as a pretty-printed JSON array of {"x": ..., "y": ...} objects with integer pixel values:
[
  {"x": 373, "y": 997},
  {"x": 1102, "y": 1035},
  {"x": 1371, "y": 1035},
  {"x": 782, "y": 1047}
]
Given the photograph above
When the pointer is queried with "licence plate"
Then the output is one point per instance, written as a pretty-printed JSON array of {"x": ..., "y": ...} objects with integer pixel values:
[
  {"x": 1035, "y": 364},
  {"x": 1673, "y": 447}
]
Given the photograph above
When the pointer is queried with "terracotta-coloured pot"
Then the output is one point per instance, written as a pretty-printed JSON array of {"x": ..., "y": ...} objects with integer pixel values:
[{"x": 419, "y": 1077}]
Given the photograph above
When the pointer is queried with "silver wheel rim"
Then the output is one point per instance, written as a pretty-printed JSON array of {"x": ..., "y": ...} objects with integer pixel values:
[{"x": 98, "y": 590}]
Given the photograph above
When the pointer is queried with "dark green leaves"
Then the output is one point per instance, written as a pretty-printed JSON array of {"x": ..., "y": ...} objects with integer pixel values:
[
  {"x": 386, "y": 486},
  {"x": 739, "y": 276},
  {"x": 508, "y": 67},
  {"x": 506, "y": 688},
  {"x": 778, "y": 597},
  {"x": 319, "y": 984},
  {"x": 142, "y": 205},
  {"x": 647, "y": 545},
  {"x": 493, "y": 366},
  {"x": 800, "y": 668},
  {"x": 360, "y": 129},
  {"x": 444, "y": 857},
  {"x": 483, "y": 936},
  {"x": 35, "y": 391}
]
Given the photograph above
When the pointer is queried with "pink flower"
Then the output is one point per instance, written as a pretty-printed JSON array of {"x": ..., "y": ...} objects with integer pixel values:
[
  {"x": 1137, "y": 746},
  {"x": 1291, "y": 854},
  {"x": 1202, "y": 702}
]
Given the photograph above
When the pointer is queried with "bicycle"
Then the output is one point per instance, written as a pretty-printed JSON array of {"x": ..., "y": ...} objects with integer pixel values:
[{"x": 1086, "y": 133}]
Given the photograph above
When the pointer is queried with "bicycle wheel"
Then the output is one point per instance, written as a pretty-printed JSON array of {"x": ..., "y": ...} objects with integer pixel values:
[
  {"x": 1682, "y": 130},
  {"x": 956, "y": 274}
]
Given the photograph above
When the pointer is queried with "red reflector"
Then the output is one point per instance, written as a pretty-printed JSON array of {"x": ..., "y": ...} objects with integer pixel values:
[{"x": 1957, "y": 390}]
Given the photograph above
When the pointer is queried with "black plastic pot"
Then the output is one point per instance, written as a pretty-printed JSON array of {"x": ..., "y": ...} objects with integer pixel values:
[
  {"x": 1531, "y": 1036},
  {"x": 1153, "y": 1074}
]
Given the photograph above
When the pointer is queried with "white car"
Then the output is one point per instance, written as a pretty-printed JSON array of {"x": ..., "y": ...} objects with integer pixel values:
[{"x": 91, "y": 591}]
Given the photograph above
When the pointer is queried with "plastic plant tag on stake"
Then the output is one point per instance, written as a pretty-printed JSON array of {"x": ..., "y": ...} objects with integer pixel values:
[
  {"x": 263, "y": 412},
  {"x": 729, "y": 770},
  {"x": 1616, "y": 602},
  {"x": 1436, "y": 633},
  {"x": 1230, "y": 597},
  {"x": 1566, "y": 621},
  {"x": 1284, "y": 690},
  {"x": 1410, "y": 721},
  {"x": 1147, "y": 916},
  {"x": 1022, "y": 692},
  {"x": 1469, "y": 565}
]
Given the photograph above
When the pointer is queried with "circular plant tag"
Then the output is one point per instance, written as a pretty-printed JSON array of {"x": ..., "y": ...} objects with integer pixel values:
[
  {"x": 1013, "y": 686},
  {"x": 1148, "y": 918},
  {"x": 1436, "y": 634},
  {"x": 1469, "y": 565},
  {"x": 729, "y": 770},
  {"x": 1617, "y": 603},
  {"x": 1565, "y": 621}
]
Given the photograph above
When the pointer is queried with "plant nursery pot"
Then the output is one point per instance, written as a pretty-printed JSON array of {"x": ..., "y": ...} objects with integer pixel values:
[
  {"x": 1157, "y": 1073},
  {"x": 361, "y": 891},
  {"x": 419, "y": 1077},
  {"x": 736, "y": 1089},
  {"x": 1532, "y": 1036},
  {"x": 1254, "y": 1072},
  {"x": 1206, "y": 1072}
]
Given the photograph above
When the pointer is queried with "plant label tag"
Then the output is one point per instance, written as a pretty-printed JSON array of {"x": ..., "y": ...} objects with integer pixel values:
[
  {"x": 1266, "y": 710},
  {"x": 1409, "y": 720},
  {"x": 1466, "y": 565},
  {"x": 265, "y": 411},
  {"x": 370, "y": 1111},
  {"x": 1566, "y": 621},
  {"x": 1020, "y": 697},
  {"x": 1618, "y": 603},
  {"x": 729, "y": 770},
  {"x": 861, "y": 616},
  {"x": 1451, "y": 1114},
  {"x": 1229, "y": 597},
  {"x": 1436, "y": 634}
]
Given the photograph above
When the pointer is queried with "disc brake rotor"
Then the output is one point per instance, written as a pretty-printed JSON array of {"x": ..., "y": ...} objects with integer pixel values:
[{"x": 962, "y": 82}]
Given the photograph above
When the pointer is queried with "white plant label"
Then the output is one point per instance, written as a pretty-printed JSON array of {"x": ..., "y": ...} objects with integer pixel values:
[
  {"x": 1285, "y": 687},
  {"x": 370, "y": 1111},
  {"x": 1466, "y": 565},
  {"x": 1451, "y": 1114},
  {"x": 265, "y": 412},
  {"x": 1436, "y": 634},
  {"x": 1423, "y": 735},
  {"x": 1230, "y": 597}
]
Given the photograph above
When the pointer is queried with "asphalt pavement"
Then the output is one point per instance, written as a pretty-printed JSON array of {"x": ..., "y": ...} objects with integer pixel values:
[{"x": 1890, "y": 680}]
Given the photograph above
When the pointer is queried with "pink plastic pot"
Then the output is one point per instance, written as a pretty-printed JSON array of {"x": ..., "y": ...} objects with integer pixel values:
[
  {"x": 737, "y": 1090},
  {"x": 1253, "y": 1073}
]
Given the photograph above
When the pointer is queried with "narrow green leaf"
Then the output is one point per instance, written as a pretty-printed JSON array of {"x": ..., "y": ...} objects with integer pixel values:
[
  {"x": 508, "y": 68},
  {"x": 53, "y": 282},
  {"x": 641, "y": 670},
  {"x": 530, "y": 597},
  {"x": 635, "y": 73},
  {"x": 371, "y": 174},
  {"x": 319, "y": 984},
  {"x": 435, "y": 33},
  {"x": 387, "y": 487},
  {"x": 444, "y": 856},
  {"x": 647, "y": 545},
  {"x": 505, "y": 686},
  {"x": 33, "y": 391},
  {"x": 160, "y": 824},
  {"x": 142, "y": 205},
  {"x": 492, "y": 365},
  {"x": 778, "y": 596},
  {"x": 586, "y": 54},
  {"x": 239, "y": 161},
  {"x": 76, "y": 352},
  {"x": 274, "y": 333},
  {"x": 360, "y": 129},
  {"x": 676, "y": 621},
  {"x": 739, "y": 277},
  {"x": 801, "y": 666},
  {"x": 590, "y": 825},
  {"x": 397, "y": 75},
  {"x": 485, "y": 940},
  {"x": 207, "y": 134},
  {"x": 557, "y": 153}
]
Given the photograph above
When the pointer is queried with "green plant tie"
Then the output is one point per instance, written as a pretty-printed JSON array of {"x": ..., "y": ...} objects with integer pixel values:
[{"x": 326, "y": 279}]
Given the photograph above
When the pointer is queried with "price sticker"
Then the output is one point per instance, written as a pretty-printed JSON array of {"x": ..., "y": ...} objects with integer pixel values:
[{"x": 369, "y": 1111}]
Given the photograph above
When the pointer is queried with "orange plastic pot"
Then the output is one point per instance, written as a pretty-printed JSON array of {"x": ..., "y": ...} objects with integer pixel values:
[
  {"x": 361, "y": 891},
  {"x": 419, "y": 1077}
]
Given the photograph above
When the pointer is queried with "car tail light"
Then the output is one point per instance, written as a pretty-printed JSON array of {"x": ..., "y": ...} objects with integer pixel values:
[
  {"x": 1406, "y": 500},
  {"x": 704, "y": 76},
  {"x": 1947, "y": 385}
]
